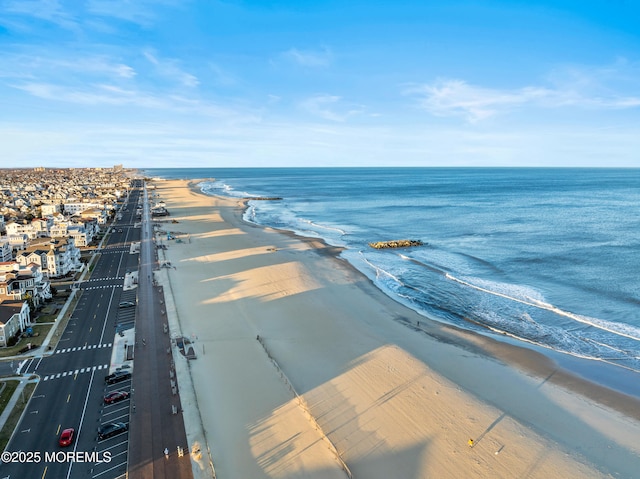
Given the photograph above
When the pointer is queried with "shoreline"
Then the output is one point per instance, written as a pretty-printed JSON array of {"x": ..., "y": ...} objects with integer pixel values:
[
  {"x": 530, "y": 358},
  {"x": 434, "y": 348}
]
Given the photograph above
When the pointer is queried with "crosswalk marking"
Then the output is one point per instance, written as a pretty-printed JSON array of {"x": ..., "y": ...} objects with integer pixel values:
[
  {"x": 104, "y": 286},
  {"x": 83, "y": 348},
  {"x": 77, "y": 371},
  {"x": 117, "y": 278}
]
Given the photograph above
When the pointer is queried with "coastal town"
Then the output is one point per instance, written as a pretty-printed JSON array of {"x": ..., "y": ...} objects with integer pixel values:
[
  {"x": 81, "y": 308},
  {"x": 50, "y": 221}
]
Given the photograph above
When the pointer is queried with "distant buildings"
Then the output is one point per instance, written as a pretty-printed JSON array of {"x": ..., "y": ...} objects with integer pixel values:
[{"x": 46, "y": 217}]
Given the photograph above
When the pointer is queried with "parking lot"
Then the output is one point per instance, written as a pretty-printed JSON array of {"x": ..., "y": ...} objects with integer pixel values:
[
  {"x": 126, "y": 314},
  {"x": 117, "y": 446}
]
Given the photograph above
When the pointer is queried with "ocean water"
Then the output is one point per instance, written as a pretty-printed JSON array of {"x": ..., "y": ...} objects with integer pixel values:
[{"x": 549, "y": 257}]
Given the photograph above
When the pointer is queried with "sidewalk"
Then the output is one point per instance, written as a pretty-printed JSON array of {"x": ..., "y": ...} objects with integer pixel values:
[
  {"x": 123, "y": 351},
  {"x": 14, "y": 399},
  {"x": 202, "y": 464}
]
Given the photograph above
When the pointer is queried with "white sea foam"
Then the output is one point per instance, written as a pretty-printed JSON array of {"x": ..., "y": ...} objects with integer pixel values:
[
  {"x": 619, "y": 329},
  {"x": 221, "y": 188},
  {"x": 381, "y": 272},
  {"x": 324, "y": 227}
]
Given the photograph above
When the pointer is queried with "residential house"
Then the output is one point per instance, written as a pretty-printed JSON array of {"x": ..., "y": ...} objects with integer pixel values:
[
  {"x": 17, "y": 228},
  {"x": 34, "y": 256},
  {"x": 80, "y": 235},
  {"x": 59, "y": 229},
  {"x": 14, "y": 319},
  {"x": 20, "y": 282},
  {"x": 42, "y": 226},
  {"x": 73, "y": 208},
  {"x": 99, "y": 214},
  {"x": 49, "y": 209},
  {"x": 18, "y": 242},
  {"x": 57, "y": 258},
  {"x": 6, "y": 251},
  {"x": 11, "y": 287}
]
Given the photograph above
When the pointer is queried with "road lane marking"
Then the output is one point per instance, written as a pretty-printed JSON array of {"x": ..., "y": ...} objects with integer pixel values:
[{"x": 84, "y": 410}]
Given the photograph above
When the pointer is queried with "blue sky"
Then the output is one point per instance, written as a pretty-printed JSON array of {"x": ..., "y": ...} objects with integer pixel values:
[{"x": 171, "y": 83}]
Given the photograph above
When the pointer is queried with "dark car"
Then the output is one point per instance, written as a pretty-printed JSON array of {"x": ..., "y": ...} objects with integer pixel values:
[
  {"x": 127, "y": 304},
  {"x": 111, "y": 429},
  {"x": 66, "y": 438},
  {"x": 117, "y": 376},
  {"x": 115, "y": 396}
]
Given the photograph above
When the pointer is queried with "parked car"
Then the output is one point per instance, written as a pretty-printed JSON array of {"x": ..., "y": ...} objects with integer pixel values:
[
  {"x": 127, "y": 304},
  {"x": 117, "y": 377},
  {"x": 111, "y": 429},
  {"x": 115, "y": 396},
  {"x": 66, "y": 438}
]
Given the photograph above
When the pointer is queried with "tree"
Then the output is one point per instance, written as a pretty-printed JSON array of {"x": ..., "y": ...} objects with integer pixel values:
[{"x": 28, "y": 297}]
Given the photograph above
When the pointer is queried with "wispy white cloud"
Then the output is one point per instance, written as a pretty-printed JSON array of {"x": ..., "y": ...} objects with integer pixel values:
[
  {"x": 60, "y": 64},
  {"x": 136, "y": 101},
  {"x": 571, "y": 88},
  {"x": 221, "y": 76},
  {"x": 48, "y": 10},
  {"x": 329, "y": 107},
  {"x": 142, "y": 12},
  {"x": 458, "y": 98},
  {"x": 83, "y": 16},
  {"x": 170, "y": 69},
  {"x": 308, "y": 58},
  {"x": 92, "y": 95}
]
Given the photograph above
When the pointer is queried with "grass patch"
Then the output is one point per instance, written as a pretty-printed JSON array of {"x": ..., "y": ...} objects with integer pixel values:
[
  {"x": 43, "y": 330},
  {"x": 7, "y": 392},
  {"x": 15, "y": 415},
  {"x": 53, "y": 342}
]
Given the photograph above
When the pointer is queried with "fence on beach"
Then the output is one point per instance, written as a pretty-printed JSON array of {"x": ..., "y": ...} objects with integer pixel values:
[{"x": 305, "y": 408}]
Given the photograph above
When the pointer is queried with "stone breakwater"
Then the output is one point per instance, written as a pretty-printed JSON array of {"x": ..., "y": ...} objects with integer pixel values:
[
  {"x": 395, "y": 244},
  {"x": 263, "y": 198}
]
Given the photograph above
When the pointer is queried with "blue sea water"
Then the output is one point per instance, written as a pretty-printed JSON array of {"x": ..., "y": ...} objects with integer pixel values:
[{"x": 545, "y": 256}]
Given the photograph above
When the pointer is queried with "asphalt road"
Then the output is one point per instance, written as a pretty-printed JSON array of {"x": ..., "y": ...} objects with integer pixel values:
[{"x": 71, "y": 388}]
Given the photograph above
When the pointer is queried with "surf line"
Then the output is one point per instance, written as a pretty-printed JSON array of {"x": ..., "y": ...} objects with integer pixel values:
[{"x": 548, "y": 307}]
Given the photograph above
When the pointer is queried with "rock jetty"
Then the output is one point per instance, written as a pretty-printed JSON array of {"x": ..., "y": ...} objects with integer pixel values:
[
  {"x": 263, "y": 198},
  {"x": 395, "y": 244}
]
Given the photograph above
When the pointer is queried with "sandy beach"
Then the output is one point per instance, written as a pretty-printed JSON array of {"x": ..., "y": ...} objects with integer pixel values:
[{"x": 305, "y": 369}]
